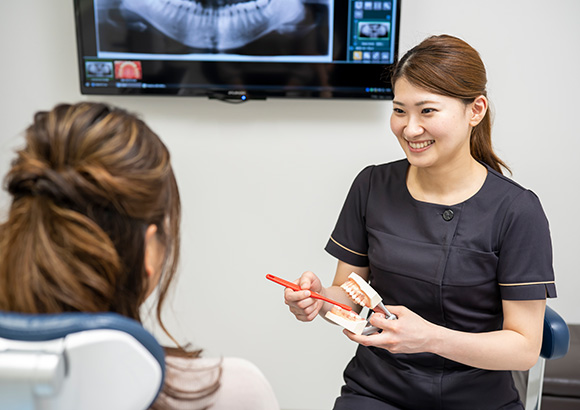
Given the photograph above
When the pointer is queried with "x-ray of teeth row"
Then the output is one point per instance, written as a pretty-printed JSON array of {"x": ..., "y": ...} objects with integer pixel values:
[{"x": 213, "y": 26}]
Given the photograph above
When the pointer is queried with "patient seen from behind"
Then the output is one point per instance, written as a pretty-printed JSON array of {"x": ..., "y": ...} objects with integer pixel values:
[{"x": 94, "y": 227}]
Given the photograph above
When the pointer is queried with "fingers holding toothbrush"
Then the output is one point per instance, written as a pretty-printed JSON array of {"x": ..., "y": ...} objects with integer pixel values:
[{"x": 299, "y": 302}]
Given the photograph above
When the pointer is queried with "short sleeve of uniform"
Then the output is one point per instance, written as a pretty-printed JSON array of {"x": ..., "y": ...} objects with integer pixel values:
[
  {"x": 349, "y": 240},
  {"x": 525, "y": 269}
]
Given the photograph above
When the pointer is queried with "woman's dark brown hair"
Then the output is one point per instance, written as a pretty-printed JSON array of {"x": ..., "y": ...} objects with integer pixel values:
[
  {"x": 89, "y": 181},
  {"x": 447, "y": 65}
]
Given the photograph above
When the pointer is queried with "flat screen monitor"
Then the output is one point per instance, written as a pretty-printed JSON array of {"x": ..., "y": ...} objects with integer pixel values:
[{"x": 237, "y": 49}]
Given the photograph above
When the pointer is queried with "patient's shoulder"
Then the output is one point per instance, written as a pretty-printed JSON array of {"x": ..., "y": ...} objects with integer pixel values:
[
  {"x": 244, "y": 387},
  {"x": 222, "y": 383}
]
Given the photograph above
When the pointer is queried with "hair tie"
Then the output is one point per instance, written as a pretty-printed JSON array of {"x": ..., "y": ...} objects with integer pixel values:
[{"x": 49, "y": 184}]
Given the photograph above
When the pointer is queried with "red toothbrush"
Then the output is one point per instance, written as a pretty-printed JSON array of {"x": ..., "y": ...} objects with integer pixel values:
[{"x": 314, "y": 295}]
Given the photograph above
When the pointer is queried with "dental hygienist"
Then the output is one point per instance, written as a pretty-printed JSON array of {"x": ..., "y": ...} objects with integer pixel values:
[{"x": 460, "y": 253}]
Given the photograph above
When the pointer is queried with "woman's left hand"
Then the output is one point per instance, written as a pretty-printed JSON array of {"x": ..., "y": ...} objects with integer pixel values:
[{"x": 409, "y": 333}]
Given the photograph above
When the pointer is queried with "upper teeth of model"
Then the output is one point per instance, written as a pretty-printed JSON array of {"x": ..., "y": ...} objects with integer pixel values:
[
  {"x": 422, "y": 144},
  {"x": 354, "y": 293}
]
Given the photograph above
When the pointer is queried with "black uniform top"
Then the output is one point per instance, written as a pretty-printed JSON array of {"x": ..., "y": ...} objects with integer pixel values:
[{"x": 452, "y": 265}]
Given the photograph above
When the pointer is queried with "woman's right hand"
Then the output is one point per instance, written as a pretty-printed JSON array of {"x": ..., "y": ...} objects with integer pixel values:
[{"x": 300, "y": 303}]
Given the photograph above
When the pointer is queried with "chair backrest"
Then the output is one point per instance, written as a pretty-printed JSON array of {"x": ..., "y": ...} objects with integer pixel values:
[
  {"x": 77, "y": 361},
  {"x": 555, "y": 344}
]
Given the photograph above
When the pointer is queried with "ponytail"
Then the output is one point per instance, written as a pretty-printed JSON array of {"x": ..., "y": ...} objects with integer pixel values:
[
  {"x": 88, "y": 182},
  {"x": 63, "y": 260},
  {"x": 481, "y": 147}
]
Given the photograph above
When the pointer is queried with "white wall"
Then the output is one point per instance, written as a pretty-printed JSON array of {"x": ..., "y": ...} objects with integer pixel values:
[{"x": 263, "y": 182}]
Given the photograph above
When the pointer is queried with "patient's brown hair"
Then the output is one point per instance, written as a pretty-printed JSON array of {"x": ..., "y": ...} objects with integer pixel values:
[{"x": 89, "y": 181}]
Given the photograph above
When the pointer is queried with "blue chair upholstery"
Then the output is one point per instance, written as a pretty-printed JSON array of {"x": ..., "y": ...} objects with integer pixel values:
[
  {"x": 555, "y": 344},
  {"x": 77, "y": 361}
]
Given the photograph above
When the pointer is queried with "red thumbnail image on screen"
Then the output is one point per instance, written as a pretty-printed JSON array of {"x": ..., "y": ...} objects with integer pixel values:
[{"x": 128, "y": 70}]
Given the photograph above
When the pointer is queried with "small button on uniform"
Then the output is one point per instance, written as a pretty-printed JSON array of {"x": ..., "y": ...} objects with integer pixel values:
[{"x": 448, "y": 215}]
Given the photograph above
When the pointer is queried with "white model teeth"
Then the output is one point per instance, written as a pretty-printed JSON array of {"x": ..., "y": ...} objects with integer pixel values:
[
  {"x": 419, "y": 145},
  {"x": 217, "y": 27},
  {"x": 354, "y": 292}
]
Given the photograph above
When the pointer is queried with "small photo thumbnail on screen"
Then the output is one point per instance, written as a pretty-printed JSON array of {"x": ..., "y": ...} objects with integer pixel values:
[
  {"x": 373, "y": 29},
  {"x": 103, "y": 69},
  {"x": 128, "y": 70}
]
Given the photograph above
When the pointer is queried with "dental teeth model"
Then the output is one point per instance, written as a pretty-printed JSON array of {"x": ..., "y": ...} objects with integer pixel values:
[
  {"x": 217, "y": 25},
  {"x": 362, "y": 293},
  {"x": 349, "y": 320}
]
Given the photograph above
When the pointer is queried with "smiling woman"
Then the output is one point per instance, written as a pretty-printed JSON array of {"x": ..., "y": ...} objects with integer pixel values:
[
  {"x": 459, "y": 253},
  {"x": 446, "y": 66},
  {"x": 435, "y": 132}
]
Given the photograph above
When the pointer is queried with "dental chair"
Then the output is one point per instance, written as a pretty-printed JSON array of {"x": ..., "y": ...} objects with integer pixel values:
[
  {"x": 74, "y": 361},
  {"x": 555, "y": 344}
]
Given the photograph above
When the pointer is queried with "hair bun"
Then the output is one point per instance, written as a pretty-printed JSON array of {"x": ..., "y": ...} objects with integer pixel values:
[{"x": 58, "y": 186}]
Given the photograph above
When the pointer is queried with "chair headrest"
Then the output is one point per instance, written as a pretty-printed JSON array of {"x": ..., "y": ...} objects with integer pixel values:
[
  {"x": 20, "y": 330},
  {"x": 42, "y": 327}
]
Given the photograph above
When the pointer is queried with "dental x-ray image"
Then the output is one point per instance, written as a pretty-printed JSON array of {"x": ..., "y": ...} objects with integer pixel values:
[
  {"x": 373, "y": 30},
  {"x": 99, "y": 69},
  {"x": 243, "y": 27}
]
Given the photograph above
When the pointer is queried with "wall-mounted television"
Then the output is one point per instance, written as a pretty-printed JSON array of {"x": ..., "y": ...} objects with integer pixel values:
[{"x": 237, "y": 49}]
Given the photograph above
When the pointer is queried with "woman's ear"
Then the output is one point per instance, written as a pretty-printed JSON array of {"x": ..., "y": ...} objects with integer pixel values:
[
  {"x": 151, "y": 250},
  {"x": 153, "y": 258},
  {"x": 477, "y": 110}
]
